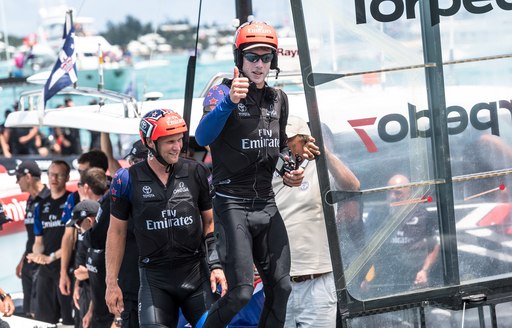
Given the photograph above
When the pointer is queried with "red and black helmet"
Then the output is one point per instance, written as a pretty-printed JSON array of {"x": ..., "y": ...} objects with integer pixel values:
[
  {"x": 160, "y": 123},
  {"x": 253, "y": 35}
]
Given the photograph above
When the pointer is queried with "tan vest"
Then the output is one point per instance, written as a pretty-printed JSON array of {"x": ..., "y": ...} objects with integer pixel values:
[{"x": 301, "y": 209}]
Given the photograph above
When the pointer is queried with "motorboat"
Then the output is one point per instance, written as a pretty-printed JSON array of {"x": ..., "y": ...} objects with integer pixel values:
[{"x": 91, "y": 50}]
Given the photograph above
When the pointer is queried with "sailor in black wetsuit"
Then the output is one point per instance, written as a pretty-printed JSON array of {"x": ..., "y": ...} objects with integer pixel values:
[
  {"x": 168, "y": 199},
  {"x": 245, "y": 127},
  {"x": 48, "y": 229},
  {"x": 28, "y": 177}
]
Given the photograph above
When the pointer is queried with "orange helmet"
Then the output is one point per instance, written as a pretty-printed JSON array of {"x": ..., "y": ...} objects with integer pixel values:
[
  {"x": 160, "y": 123},
  {"x": 253, "y": 35}
]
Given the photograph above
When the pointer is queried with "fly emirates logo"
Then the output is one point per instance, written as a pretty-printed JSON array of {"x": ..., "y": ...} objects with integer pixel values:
[
  {"x": 169, "y": 220},
  {"x": 265, "y": 139}
]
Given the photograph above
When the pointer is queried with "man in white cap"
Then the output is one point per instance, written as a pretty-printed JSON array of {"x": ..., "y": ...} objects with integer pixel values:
[{"x": 312, "y": 302}]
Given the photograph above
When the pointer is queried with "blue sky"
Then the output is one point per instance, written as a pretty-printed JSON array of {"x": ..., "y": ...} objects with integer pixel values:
[{"x": 22, "y": 18}]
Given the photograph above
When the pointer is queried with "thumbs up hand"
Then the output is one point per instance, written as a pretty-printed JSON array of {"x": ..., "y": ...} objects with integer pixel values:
[{"x": 239, "y": 87}]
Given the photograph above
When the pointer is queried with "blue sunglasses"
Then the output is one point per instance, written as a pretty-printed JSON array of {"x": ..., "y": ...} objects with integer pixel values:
[{"x": 253, "y": 58}]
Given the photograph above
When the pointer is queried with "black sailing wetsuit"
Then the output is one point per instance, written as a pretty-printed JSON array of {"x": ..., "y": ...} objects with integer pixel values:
[
  {"x": 128, "y": 274},
  {"x": 94, "y": 239},
  {"x": 169, "y": 233},
  {"x": 245, "y": 141},
  {"x": 29, "y": 268}
]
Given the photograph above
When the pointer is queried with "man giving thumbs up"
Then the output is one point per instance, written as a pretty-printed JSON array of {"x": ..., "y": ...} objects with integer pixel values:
[{"x": 244, "y": 124}]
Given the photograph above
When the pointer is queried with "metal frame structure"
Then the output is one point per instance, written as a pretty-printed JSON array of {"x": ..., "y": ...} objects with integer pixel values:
[{"x": 454, "y": 296}]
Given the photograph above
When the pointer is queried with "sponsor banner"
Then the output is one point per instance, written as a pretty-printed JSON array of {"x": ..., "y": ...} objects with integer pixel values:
[{"x": 14, "y": 207}]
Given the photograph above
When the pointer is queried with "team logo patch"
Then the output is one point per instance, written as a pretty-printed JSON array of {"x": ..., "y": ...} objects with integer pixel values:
[
  {"x": 147, "y": 192},
  {"x": 181, "y": 189},
  {"x": 242, "y": 110}
]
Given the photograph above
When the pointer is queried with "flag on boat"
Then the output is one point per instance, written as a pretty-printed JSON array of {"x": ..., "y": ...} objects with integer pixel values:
[{"x": 64, "y": 72}]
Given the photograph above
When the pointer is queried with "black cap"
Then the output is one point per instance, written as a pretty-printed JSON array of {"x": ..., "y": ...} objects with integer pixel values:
[
  {"x": 83, "y": 210},
  {"x": 138, "y": 150},
  {"x": 25, "y": 167}
]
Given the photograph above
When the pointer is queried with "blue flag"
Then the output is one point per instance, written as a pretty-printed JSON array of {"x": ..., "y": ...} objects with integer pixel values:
[{"x": 64, "y": 72}]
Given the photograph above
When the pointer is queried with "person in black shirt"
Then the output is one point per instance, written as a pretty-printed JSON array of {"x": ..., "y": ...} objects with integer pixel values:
[
  {"x": 406, "y": 259},
  {"x": 21, "y": 141},
  {"x": 48, "y": 229},
  {"x": 93, "y": 158},
  {"x": 244, "y": 125},
  {"x": 168, "y": 199},
  {"x": 28, "y": 177},
  {"x": 69, "y": 138},
  {"x": 93, "y": 184},
  {"x": 95, "y": 312},
  {"x": 95, "y": 239}
]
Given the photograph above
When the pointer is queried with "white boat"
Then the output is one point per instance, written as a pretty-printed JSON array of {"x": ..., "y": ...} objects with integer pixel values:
[{"x": 117, "y": 71}]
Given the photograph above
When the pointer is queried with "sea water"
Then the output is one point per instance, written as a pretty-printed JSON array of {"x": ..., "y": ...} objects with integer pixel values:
[{"x": 168, "y": 79}]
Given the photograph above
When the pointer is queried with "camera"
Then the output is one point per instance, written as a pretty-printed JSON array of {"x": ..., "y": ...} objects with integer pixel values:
[{"x": 284, "y": 165}]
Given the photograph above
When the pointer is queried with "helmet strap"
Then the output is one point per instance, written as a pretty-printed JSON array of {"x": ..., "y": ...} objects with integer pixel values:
[
  {"x": 278, "y": 70},
  {"x": 159, "y": 158}
]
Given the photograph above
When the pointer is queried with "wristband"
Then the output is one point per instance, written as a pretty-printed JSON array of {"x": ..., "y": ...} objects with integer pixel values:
[
  {"x": 53, "y": 257},
  {"x": 212, "y": 257}
]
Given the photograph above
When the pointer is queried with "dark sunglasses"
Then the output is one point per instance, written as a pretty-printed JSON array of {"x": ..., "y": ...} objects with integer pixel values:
[{"x": 253, "y": 58}]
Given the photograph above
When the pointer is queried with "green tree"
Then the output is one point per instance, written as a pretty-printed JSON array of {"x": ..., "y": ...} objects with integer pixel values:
[{"x": 124, "y": 32}]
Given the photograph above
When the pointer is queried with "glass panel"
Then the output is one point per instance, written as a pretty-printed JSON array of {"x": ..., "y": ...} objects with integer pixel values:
[
  {"x": 435, "y": 317},
  {"x": 394, "y": 247},
  {"x": 403, "y": 318},
  {"x": 467, "y": 36},
  {"x": 442, "y": 318},
  {"x": 480, "y": 128},
  {"x": 376, "y": 123},
  {"x": 366, "y": 58},
  {"x": 504, "y": 315}
]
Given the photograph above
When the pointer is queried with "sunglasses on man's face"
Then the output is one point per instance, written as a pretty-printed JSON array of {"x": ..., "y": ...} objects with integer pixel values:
[{"x": 253, "y": 58}]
